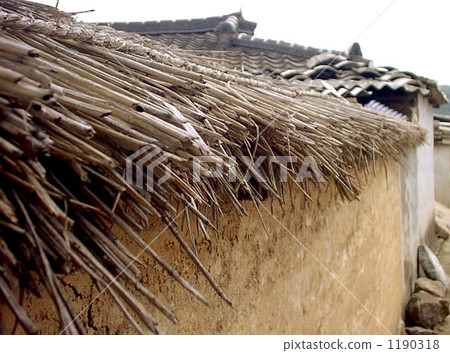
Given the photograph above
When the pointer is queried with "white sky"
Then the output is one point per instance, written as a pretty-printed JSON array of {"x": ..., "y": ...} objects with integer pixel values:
[{"x": 410, "y": 35}]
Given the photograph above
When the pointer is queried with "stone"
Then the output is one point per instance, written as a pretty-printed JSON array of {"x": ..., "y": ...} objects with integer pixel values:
[
  {"x": 444, "y": 327},
  {"x": 426, "y": 310},
  {"x": 431, "y": 265},
  {"x": 401, "y": 328},
  {"x": 442, "y": 220},
  {"x": 442, "y": 227},
  {"x": 436, "y": 288},
  {"x": 417, "y": 330},
  {"x": 444, "y": 256}
]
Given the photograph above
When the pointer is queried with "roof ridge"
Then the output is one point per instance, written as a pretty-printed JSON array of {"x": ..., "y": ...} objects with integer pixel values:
[
  {"x": 280, "y": 46},
  {"x": 195, "y": 25}
]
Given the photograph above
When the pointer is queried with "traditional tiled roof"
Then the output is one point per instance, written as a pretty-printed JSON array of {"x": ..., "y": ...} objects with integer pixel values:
[
  {"x": 202, "y": 25},
  {"x": 379, "y": 107},
  {"x": 231, "y": 38},
  {"x": 244, "y": 52},
  {"x": 442, "y": 129}
]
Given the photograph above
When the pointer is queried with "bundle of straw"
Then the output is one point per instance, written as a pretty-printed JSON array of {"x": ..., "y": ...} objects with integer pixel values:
[{"x": 76, "y": 100}]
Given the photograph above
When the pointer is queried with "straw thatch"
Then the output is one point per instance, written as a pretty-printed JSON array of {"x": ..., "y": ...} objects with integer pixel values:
[{"x": 76, "y": 100}]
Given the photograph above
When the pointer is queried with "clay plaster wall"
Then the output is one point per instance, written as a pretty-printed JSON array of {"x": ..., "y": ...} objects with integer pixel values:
[
  {"x": 344, "y": 255},
  {"x": 442, "y": 173},
  {"x": 417, "y": 189}
]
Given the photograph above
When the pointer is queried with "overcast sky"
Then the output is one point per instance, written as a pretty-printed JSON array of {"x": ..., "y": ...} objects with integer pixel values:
[{"x": 410, "y": 35}]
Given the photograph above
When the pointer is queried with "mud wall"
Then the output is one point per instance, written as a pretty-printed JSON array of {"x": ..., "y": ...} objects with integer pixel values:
[
  {"x": 417, "y": 190},
  {"x": 442, "y": 173},
  {"x": 326, "y": 267},
  {"x": 425, "y": 174}
]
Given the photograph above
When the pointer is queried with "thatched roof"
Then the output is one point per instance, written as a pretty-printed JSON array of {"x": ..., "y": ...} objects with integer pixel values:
[{"x": 76, "y": 100}]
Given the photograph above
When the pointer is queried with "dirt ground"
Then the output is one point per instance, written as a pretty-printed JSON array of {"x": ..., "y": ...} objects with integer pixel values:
[{"x": 327, "y": 267}]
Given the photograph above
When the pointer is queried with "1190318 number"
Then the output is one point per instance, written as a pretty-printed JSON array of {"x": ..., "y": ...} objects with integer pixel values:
[{"x": 413, "y": 344}]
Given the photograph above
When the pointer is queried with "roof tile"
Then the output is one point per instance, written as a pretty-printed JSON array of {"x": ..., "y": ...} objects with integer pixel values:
[{"x": 290, "y": 61}]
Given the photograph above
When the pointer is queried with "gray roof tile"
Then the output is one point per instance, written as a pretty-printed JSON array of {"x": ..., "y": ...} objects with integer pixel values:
[{"x": 351, "y": 74}]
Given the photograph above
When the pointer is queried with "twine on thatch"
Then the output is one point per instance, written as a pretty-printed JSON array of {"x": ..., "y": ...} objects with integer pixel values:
[{"x": 76, "y": 100}]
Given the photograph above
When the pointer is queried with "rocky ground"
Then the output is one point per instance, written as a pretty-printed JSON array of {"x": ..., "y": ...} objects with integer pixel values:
[
  {"x": 427, "y": 311},
  {"x": 441, "y": 247},
  {"x": 444, "y": 258}
]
